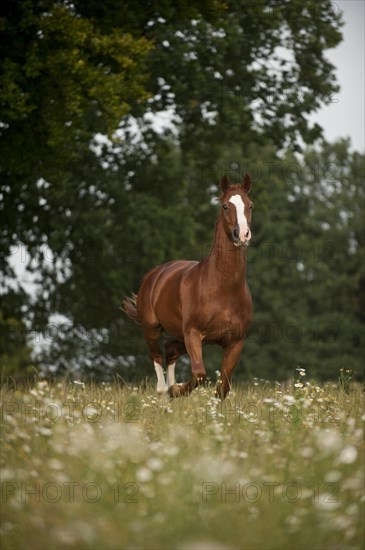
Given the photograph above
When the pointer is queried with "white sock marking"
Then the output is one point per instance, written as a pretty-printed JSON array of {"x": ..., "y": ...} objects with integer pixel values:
[
  {"x": 171, "y": 374},
  {"x": 241, "y": 218},
  {"x": 161, "y": 383}
]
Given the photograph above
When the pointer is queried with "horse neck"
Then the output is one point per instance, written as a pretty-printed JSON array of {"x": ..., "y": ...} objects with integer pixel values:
[{"x": 226, "y": 261}]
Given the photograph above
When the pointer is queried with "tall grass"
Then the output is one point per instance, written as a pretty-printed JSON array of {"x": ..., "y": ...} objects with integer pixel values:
[{"x": 99, "y": 466}]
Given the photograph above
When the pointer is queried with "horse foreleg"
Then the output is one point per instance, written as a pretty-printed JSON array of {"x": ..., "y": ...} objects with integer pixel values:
[
  {"x": 193, "y": 345},
  {"x": 231, "y": 355}
]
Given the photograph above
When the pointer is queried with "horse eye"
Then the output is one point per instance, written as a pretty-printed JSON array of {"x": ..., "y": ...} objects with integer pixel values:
[{"x": 225, "y": 207}]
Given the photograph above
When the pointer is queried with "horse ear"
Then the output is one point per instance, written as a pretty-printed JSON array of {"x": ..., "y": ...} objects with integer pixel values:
[
  {"x": 225, "y": 183},
  {"x": 246, "y": 182}
]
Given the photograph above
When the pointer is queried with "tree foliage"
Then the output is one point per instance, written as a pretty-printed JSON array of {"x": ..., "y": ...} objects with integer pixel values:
[{"x": 97, "y": 194}]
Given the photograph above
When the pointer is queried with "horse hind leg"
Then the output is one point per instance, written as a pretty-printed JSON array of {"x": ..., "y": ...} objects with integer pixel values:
[
  {"x": 152, "y": 337},
  {"x": 174, "y": 348}
]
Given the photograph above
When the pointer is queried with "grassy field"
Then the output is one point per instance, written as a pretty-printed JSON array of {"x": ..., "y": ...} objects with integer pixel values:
[{"x": 99, "y": 466}]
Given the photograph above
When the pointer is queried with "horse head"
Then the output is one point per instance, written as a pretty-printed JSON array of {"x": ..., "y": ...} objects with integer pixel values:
[{"x": 236, "y": 210}]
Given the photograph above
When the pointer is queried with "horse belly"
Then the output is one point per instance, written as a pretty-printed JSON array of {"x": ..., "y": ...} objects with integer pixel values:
[
  {"x": 168, "y": 312},
  {"x": 158, "y": 298}
]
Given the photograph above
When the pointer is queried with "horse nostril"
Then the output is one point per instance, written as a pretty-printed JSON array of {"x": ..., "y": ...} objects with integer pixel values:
[{"x": 236, "y": 233}]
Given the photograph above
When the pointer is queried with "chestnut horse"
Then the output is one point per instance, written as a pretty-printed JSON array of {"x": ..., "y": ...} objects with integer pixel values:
[{"x": 198, "y": 303}]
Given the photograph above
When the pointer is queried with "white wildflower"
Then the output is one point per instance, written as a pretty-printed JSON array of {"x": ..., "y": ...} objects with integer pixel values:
[
  {"x": 348, "y": 455},
  {"x": 325, "y": 504},
  {"x": 289, "y": 398},
  {"x": 333, "y": 476},
  {"x": 155, "y": 464},
  {"x": 328, "y": 441},
  {"x": 55, "y": 464},
  {"x": 143, "y": 475}
]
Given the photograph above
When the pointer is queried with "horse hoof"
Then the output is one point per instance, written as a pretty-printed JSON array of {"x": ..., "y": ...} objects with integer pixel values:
[
  {"x": 176, "y": 390},
  {"x": 220, "y": 393},
  {"x": 201, "y": 380}
]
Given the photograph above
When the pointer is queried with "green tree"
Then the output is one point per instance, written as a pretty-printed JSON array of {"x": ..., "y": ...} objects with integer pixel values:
[
  {"x": 332, "y": 269},
  {"x": 73, "y": 71},
  {"x": 307, "y": 267},
  {"x": 62, "y": 81},
  {"x": 305, "y": 260},
  {"x": 15, "y": 352}
]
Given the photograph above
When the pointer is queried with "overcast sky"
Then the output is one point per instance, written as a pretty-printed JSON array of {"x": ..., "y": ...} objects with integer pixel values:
[{"x": 345, "y": 116}]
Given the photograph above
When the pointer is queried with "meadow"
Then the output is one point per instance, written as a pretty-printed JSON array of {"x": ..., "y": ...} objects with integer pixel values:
[{"x": 275, "y": 466}]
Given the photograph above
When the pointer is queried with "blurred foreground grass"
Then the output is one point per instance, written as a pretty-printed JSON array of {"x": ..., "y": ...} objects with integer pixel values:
[{"x": 98, "y": 466}]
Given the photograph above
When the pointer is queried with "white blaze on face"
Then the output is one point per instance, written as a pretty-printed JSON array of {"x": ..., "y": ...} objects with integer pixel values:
[{"x": 241, "y": 218}]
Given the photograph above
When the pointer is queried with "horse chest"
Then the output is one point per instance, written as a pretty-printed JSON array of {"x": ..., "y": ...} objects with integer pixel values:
[
  {"x": 221, "y": 319},
  {"x": 224, "y": 328}
]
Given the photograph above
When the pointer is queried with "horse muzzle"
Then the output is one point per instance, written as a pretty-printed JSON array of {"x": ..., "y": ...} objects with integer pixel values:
[{"x": 240, "y": 239}]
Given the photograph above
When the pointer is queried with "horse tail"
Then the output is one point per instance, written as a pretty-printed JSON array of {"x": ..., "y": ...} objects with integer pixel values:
[{"x": 129, "y": 307}]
